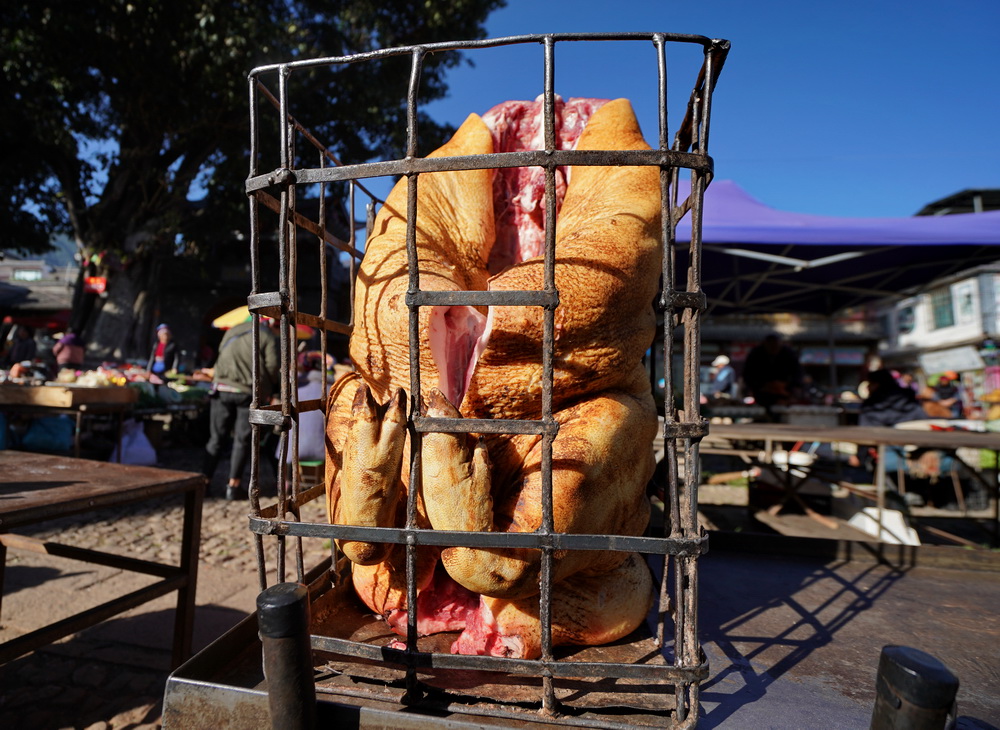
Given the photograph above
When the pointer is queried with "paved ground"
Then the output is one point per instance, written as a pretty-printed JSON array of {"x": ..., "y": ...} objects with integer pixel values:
[{"x": 789, "y": 642}]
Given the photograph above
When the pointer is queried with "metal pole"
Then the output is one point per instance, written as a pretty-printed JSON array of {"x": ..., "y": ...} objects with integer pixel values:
[
  {"x": 283, "y": 619},
  {"x": 914, "y": 691}
]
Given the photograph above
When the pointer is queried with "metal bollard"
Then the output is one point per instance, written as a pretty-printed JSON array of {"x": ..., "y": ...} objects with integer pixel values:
[
  {"x": 914, "y": 691},
  {"x": 283, "y": 620}
]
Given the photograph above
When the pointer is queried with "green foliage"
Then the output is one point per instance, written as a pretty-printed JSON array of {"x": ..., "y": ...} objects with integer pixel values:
[{"x": 116, "y": 110}]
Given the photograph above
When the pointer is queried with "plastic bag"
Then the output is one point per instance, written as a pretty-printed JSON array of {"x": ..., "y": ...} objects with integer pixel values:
[{"x": 136, "y": 448}]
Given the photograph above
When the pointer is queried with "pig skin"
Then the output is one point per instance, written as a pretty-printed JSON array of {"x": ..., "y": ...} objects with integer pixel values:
[{"x": 607, "y": 267}]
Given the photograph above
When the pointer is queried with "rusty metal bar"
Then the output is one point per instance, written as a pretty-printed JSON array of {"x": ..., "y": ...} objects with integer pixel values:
[
  {"x": 526, "y": 667},
  {"x": 420, "y": 536},
  {"x": 258, "y": 541},
  {"x": 423, "y": 424},
  {"x": 496, "y": 160},
  {"x": 498, "y": 298},
  {"x": 486, "y": 43},
  {"x": 325, "y": 153},
  {"x": 416, "y": 58},
  {"x": 305, "y": 224},
  {"x": 549, "y": 703}
]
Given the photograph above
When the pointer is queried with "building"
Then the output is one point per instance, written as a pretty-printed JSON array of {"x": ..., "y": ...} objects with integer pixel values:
[
  {"x": 953, "y": 323},
  {"x": 36, "y": 293}
]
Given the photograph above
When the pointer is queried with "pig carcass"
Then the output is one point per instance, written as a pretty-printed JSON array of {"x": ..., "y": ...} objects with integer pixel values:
[{"x": 484, "y": 230}]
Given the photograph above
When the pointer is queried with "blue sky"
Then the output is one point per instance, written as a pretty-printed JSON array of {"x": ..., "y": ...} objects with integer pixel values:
[{"x": 865, "y": 108}]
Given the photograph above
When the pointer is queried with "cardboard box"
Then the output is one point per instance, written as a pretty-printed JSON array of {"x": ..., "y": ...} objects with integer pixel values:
[{"x": 64, "y": 395}]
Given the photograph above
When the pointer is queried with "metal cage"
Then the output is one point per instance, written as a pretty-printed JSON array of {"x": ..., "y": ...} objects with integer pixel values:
[{"x": 669, "y": 673}]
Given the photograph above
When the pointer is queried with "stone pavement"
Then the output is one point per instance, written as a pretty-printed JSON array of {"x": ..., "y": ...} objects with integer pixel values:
[{"x": 112, "y": 675}]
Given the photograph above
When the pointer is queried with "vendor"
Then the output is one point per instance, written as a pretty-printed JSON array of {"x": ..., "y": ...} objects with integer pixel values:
[
  {"x": 948, "y": 393},
  {"x": 888, "y": 403},
  {"x": 724, "y": 383},
  {"x": 772, "y": 373},
  {"x": 69, "y": 351},
  {"x": 23, "y": 347},
  {"x": 164, "y": 353}
]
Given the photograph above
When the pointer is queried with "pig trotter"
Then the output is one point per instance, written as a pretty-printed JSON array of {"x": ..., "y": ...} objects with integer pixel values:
[
  {"x": 456, "y": 485},
  {"x": 370, "y": 485}
]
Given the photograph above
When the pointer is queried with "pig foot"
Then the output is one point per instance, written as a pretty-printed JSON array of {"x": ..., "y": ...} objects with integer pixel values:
[
  {"x": 370, "y": 485},
  {"x": 455, "y": 475},
  {"x": 456, "y": 490}
]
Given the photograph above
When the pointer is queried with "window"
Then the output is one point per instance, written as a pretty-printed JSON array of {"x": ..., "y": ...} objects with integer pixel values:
[
  {"x": 27, "y": 275},
  {"x": 907, "y": 320},
  {"x": 941, "y": 307},
  {"x": 964, "y": 294}
]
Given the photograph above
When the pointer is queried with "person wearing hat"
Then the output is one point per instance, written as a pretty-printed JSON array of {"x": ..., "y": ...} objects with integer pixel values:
[
  {"x": 164, "y": 353},
  {"x": 948, "y": 393},
  {"x": 724, "y": 384}
]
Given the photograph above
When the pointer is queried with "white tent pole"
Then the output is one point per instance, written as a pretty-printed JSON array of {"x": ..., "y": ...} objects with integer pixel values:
[{"x": 833, "y": 350}]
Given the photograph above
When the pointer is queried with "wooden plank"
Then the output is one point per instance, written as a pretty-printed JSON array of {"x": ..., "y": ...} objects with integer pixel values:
[
  {"x": 791, "y": 433},
  {"x": 65, "y": 396},
  {"x": 36, "y": 487}
]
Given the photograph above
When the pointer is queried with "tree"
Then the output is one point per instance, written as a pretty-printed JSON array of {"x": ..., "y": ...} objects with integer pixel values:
[{"x": 119, "y": 112}]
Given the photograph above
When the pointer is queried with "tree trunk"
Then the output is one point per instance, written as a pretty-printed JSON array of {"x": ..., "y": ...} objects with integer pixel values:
[{"x": 121, "y": 327}]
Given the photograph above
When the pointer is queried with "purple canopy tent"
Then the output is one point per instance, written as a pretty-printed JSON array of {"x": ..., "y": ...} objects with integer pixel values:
[{"x": 757, "y": 259}]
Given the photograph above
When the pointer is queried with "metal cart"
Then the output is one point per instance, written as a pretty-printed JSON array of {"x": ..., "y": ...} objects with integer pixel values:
[{"x": 350, "y": 671}]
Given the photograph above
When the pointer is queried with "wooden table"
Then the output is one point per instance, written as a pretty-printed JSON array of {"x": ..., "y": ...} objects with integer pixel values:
[
  {"x": 35, "y": 488},
  {"x": 875, "y": 435},
  {"x": 78, "y": 401},
  {"x": 879, "y": 437}
]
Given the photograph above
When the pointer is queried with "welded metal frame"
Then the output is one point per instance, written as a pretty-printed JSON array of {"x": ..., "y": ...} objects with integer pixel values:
[{"x": 681, "y": 302}]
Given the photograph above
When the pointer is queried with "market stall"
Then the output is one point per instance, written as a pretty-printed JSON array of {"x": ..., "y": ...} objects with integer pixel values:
[
  {"x": 32, "y": 414},
  {"x": 90, "y": 414}
]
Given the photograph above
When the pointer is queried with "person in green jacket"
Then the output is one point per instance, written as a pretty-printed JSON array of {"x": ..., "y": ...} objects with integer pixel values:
[{"x": 232, "y": 393}]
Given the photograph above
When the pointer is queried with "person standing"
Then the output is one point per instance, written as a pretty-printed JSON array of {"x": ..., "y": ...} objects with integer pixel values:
[
  {"x": 23, "y": 347},
  {"x": 772, "y": 373},
  {"x": 886, "y": 405},
  {"x": 724, "y": 385},
  {"x": 164, "y": 353},
  {"x": 69, "y": 351},
  {"x": 948, "y": 393},
  {"x": 311, "y": 425},
  {"x": 232, "y": 393}
]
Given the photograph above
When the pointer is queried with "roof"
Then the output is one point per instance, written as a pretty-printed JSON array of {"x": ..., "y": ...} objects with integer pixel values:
[
  {"x": 973, "y": 200},
  {"x": 757, "y": 259}
]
